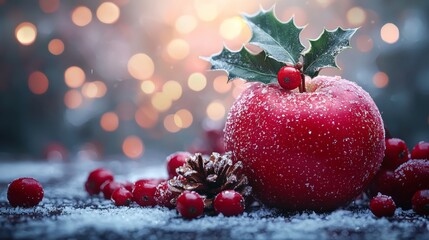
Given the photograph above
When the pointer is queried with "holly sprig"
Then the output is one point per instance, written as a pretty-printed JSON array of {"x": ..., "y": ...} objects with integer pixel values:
[{"x": 280, "y": 46}]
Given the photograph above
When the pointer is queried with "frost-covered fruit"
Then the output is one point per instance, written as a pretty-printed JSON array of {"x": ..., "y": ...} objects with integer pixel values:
[
  {"x": 383, "y": 182},
  {"x": 144, "y": 190},
  {"x": 315, "y": 150},
  {"x": 96, "y": 178},
  {"x": 128, "y": 185},
  {"x": 420, "y": 151},
  {"x": 24, "y": 192},
  {"x": 190, "y": 205},
  {"x": 122, "y": 197},
  {"x": 396, "y": 153},
  {"x": 163, "y": 195},
  {"x": 174, "y": 161},
  {"x": 108, "y": 187},
  {"x": 420, "y": 202},
  {"x": 289, "y": 77},
  {"x": 229, "y": 203},
  {"x": 382, "y": 206},
  {"x": 410, "y": 177}
]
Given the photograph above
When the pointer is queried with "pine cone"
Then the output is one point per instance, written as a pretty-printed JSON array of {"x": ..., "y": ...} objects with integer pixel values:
[{"x": 210, "y": 176}]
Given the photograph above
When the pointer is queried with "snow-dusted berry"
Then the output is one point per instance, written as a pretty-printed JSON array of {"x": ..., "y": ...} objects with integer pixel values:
[
  {"x": 382, "y": 206},
  {"x": 24, "y": 192},
  {"x": 190, "y": 205},
  {"x": 96, "y": 178},
  {"x": 229, "y": 203}
]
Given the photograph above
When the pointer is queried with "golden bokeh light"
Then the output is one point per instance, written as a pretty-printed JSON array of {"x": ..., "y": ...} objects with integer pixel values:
[
  {"x": 207, "y": 10},
  {"x": 178, "y": 49},
  {"x": 380, "y": 79},
  {"x": 56, "y": 46},
  {"x": 215, "y": 111},
  {"x": 26, "y": 33},
  {"x": 108, "y": 13},
  {"x": 186, "y": 24},
  {"x": 356, "y": 16},
  {"x": 298, "y": 14},
  {"x": 389, "y": 33},
  {"x": 81, "y": 16},
  {"x": 231, "y": 28},
  {"x": 133, "y": 147},
  {"x": 147, "y": 87},
  {"x": 172, "y": 89},
  {"x": 74, "y": 77},
  {"x": 197, "y": 81},
  {"x": 38, "y": 83},
  {"x": 109, "y": 121},
  {"x": 96, "y": 89},
  {"x": 161, "y": 101},
  {"x": 72, "y": 99},
  {"x": 49, "y": 6},
  {"x": 221, "y": 85},
  {"x": 141, "y": 66},
  {"x": 183, "y": 118},
  {"x": 146, "y": 117},
  {"x": 170, "y": 124}
]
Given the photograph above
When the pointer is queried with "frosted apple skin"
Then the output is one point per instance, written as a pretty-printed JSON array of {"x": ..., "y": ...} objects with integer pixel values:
[{"x": 306, "y": 151}]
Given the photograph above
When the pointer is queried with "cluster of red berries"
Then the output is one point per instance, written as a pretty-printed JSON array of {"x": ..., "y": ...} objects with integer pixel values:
[
  {"x": 155, "y": 192},
  {"x": 403, "y": 180}
]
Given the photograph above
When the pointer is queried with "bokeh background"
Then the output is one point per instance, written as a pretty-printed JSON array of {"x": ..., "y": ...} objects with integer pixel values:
[{"x": 123, "y": 78}]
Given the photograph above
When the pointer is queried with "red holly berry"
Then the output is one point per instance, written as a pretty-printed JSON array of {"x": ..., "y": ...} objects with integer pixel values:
[
  {"x": 163, "y": 195},
  {"x": 410, "y": 177},
  {"x": 229, "y": 203},
  {"x": 24, "y": 192},
  {"x": 144, "y": 190},
  {"x": 122, "y": 197},
  {"x": 383, "y": 182},
  {"x": 108, "y": 187},
  {"x": 190, "y": 205},
  {"x": 174, "y": 161},
  {"x": 420, "y": 202},
  {"x": 420, "y": 151},
  {"x": 289, "y": 77},
  {"x": 128, "y": 185},
  {"x": 395, "y": 154},
  {"x": 382, "y": 206},
  {"x": 96, "y": 178}
]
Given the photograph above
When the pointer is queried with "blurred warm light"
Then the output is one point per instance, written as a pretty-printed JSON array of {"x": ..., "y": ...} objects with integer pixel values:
[
  {"x": 56, "y": 46},
  {"x": 380, "y": 79},
  {"x": 183, "y": 118},
  {"x": 141, "y": 66},
  {"x": 26, "y": 33},
  {"x": 109, "y": 121},
  {"x": 147, "y": 87},
  {"x": 133, "y": 147},
  {"x": 207, "y": 10},
  {"x": 81, "y": 16},
  {"x": 231, "y": 27},
  {"x": 74, "y": 77},
  {"x": 161, "y": 102},
  {"x": 215, "y": 111},
  {"x": 172, "y": 89},
  {"x": 94, "y": 89},
  {"x": 49, "y": 6},
  {"x": 72, "y": 98},
  {"x": 170, "y": 124},
  {"x": 185, "y": 24},
  {"x": 297, "y": 13},
  {"x": 108, "y": 12},
  {"x": 356, "y": 16},
  {"x": 324, "y": 3},
  {"x": 389, "y": 33},
  {"x": 38, "y": 82},
  {"x": 221, "y": 85},
  {"x": 178, "y": 49},
  {"x": 146, "y": 117},
  {"x": 364, "y": 43},
  {"x": 197, "y": 81}
]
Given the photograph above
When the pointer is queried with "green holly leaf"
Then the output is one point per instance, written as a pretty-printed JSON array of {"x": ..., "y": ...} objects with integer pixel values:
[
  {"x": 279, "y": 40},
  {"x": 246, "y": 65},
  {"x": 323, "y": 50}
]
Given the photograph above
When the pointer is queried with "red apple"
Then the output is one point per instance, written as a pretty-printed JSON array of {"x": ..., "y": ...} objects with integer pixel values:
[{"x": 315, "y": 150}]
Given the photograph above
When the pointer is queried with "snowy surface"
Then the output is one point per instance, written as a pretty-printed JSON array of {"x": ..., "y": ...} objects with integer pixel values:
[{"x": 67, "y": 212}]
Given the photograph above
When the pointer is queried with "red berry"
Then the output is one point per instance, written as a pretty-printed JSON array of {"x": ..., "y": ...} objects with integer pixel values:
[
  {"x": 420, "y": 202},
  {"x": 96, "y": 178},
  {"x": 163, "y": 195},
  {"x": 383, "y": 182},
  {"x": 174, "y": 161},
  {"x": 289, "y": 77},
  {"x": 109, "y": 187},
  {"x": 24, "y": 192},
  {"x": 229, "y": 203},
  {"x": 144, "y": 190},
  {"x": 382, "y": 206},
  {"x": 410, "y": 177},
  {"x": 395, "y": 154},
  {"x": 122, "y": 197},
  {"x": 190, "y": 205},
  {"x": 420, "y": 151},
  {"x": 128, "y": 185}
]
